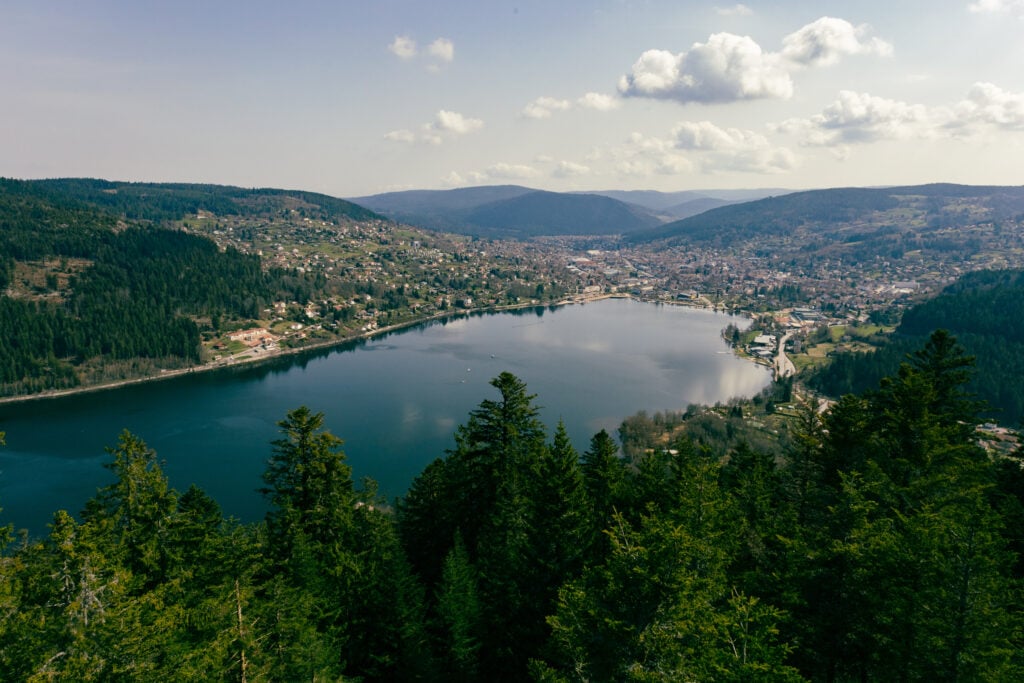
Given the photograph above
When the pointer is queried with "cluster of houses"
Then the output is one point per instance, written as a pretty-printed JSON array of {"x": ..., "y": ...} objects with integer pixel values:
[
  {"x": 254, "y": 337},
  {"x": 763, "y": 346}
]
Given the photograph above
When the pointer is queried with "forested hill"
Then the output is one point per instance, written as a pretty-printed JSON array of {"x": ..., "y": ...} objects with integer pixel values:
[
  {"x": 91, "y": 293},
  {"x": 985, "y": 310},
  {"x": 891, "y": 216},
  {"x": 173, "y": 201},
  {"x": 512, "y": 211},
  {"x": 553, "y": 213},
  {"x": 879, "y": 543}
]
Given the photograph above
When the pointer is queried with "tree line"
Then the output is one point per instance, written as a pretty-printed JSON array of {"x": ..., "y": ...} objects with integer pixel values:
[
  {"x": 158, "y": 202},
  {"x": 882, "y": 543}
]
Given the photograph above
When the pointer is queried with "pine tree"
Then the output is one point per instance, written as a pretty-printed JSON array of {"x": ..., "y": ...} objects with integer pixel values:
[
  {"x": 428, "y": 520},
  {"x": 559, "y": 514},
  {"x": 501, "y": 441},
  {"x": 603, "y": 475},
  {"x": 133, "y": 516},
  {"x": 659, "y": 609},
  {"x": 311, "y": 535},
  {"x": 910, "y": 578},
  {"x": 310, "y": 487},
  {"x": 460, "y": 612}
]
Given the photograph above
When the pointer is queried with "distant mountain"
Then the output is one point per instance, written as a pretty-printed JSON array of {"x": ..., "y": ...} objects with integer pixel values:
[
  {"x": 397, "y": 205},
  {"x": 843, "y": 215},
  {"x": 552, "y": 213},
  {"x": 512, "y": 211},
  {"x": 651, "y": 199},
  {"x": 696, "y": 206},
  {"x": 173, "y": 201},
  {"x": 665, "y": 202}
]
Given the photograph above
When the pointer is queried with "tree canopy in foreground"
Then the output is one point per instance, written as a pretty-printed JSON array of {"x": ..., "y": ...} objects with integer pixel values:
[{"x": 883, "y": 544}]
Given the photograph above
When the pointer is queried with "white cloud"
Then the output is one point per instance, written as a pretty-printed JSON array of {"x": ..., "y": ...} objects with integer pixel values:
[
  {"x": 439, "y": 52},
  {"x": 826, "y": 40},
  {"x": 738, "y": 10},
  {"x": 704, "y": 135},
  {"x": 453, "y": 179},
  {"x": 774, "y": 160},
  {"x": 730, "y": 68},
  {"x": 511, "y": 172},
  {"x": 643, "y": 155},
  {"x": 598, "y": 101},
  {"x": 454, "y": 122},
  {"x": 500, "y": 171},
  {"x": 731, "y": 149},
  {"x": 725, "y": 69},
  {"x": 703, "y": 146},
  {"x": 989, "y": 105},
  {"x": 403, "y": 46},
  {"x": 543, "y": 107},
  {"x": 446, "y": 124},
  {"x": 569, "y": 169},
  {"x": 646, "y": 144},
  {"x": 998, "y": 6},
  {"x": 860, "y": 118},
  {"x": 403, "y": 135},
  {"x": 442, "y": 50}
]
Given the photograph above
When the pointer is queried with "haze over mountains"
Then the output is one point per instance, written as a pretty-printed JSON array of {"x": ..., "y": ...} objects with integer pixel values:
[{"x": 521, "y": 212}]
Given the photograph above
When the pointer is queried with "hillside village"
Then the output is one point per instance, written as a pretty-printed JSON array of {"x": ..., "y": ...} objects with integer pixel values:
[{"x": 385, "y": 274}]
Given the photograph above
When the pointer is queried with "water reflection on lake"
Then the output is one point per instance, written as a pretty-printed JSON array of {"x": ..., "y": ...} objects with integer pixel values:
[{"x": 395, "y": 400}]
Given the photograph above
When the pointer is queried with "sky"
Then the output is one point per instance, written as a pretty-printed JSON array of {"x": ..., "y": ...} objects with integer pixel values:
[{"x": 353, "y": 98}]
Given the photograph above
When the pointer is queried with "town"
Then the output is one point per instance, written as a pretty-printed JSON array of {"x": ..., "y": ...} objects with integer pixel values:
[{"x": 381, "y": 275}]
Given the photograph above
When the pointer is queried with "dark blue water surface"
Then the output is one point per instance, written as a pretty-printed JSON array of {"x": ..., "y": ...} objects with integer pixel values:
[{"x": 395, "y": 400}]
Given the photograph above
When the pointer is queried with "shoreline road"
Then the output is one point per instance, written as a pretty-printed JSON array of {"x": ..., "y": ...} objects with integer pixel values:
[{"x": 783, "y": 365}]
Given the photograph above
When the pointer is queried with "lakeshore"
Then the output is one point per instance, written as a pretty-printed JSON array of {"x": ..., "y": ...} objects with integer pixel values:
[
  {"x": 396, "y": 400},
  {"x": 257, "y": 356}
]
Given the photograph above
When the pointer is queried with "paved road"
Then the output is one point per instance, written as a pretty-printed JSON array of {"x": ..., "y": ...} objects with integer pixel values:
[{"x": 783, "y": 365}]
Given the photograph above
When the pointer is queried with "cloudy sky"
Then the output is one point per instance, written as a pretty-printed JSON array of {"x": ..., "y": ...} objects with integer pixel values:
[{"x": 354, "y": 97}]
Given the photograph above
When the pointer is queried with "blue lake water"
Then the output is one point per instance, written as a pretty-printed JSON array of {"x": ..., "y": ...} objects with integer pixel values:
[{"x": 395, "y": 400}]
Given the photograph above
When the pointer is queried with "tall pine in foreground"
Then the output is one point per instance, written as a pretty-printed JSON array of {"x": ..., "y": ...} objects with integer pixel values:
[
  {"x": 883, "y": 545},
  {"x": 517, "y": 504},
  {"x": 347, "y": 600}
]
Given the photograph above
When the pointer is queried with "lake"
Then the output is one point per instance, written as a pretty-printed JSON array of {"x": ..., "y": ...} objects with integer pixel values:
[{"x": 395, "y": 400}]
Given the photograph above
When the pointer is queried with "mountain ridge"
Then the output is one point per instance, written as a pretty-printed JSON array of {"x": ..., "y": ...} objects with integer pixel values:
[
  {"x": 512, "y": 211},
  {"x": 173, "y": 201},
  {"x": 832, "y": 213}
]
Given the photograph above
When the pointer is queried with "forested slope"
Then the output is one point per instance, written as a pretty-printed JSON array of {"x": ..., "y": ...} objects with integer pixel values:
[
  {"x": 171, "y": 201},
  {"x": 842, "y": 214},
  {"x": 882, "y": 544},
  {"x": 83, "y": 288},
  {"x": 985, "y": 310}
]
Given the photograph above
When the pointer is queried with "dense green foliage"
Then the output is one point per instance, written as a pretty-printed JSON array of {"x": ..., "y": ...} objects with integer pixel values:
[
  {"x": 985, "y": 310},
  {"x": 882, "y": 544},
  {"x": 136, "y": 292}
]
